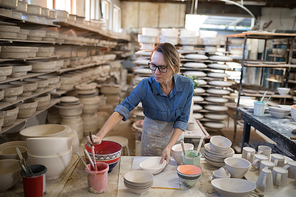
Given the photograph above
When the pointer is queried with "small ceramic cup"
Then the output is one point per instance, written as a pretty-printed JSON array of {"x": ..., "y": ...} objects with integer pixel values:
[
  {"x": 257, "y": 161},
  {"x": 264, "y": 150},
  {"x": 279, "y": 160},
  {"x": 291, "y": 167},
  {"x": 264, "y": 181},
  {"x": 248, "y": 154},
  {"x": 266, "y": 164},
  {"x": 259, "y": 107},
  {"x": 280, "y": 176}
]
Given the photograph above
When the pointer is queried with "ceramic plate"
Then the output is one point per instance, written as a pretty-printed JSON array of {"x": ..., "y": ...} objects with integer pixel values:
[
  {"x": 220, "y": 83},
  {"x": 69, "y": 99},
  {"x": 218, "y": 91},
  {"x": 196, "y": 107},
  {"x": 216, "y": 99},
  {"x": 201, "y": 82},
  {"x": 199, "y": 90},
  {"x": 220, "y": 58},
  {"x": 141, "y": 61},
  {"x": 219, "y": 66},
  {"x": 217, "y": 75},
  {"x": 195, "y": 73},
  {"x": 142, "y": 71},
  {"x": 214, "y": 125},
  {"x": 216, "y": 108},
  {"x": 145, "y": 53},
  {"x": 195, "y": 65},
  {"x": 197, "y": 116},
  {"x": 197, "y": 99},
  {"x": 229, "y": 153},
  {"x": 196, "y": 57},
  {"x": 216, "y": 116}
]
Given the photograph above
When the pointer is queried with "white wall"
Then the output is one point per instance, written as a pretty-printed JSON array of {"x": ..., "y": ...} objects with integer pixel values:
[{"x": 282, "y": 18}]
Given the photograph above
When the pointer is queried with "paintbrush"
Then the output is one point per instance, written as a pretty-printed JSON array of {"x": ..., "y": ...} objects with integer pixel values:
[{"x": 90, "y": 160}]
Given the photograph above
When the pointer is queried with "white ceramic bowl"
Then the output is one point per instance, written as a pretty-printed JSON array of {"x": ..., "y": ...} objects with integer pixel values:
[
  {"x": 283, "y": 91},
  {"x": 278, "y": 114},
  {"x": 49, "y": 146},
  {"x": 138, "y": 177},
  {"x": 9, "y": 173},
  {"x": 10, "y": 152},
  {"x": 55, "y": 165},
  {"x": 177, "y": 151},
  {"x": 237, "y": 167},
  {"x": 220, "y": 143},
  {"x": 233, "y": 187},
  {"x": 280, "y": 110},
  {"x": 152, "y": 165},
  {"x": 46, "y": 130}
]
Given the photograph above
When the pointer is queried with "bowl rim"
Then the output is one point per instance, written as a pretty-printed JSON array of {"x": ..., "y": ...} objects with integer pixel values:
[
  {"x": 234, "y": 180},
  {"x": 89, "y": 151},
  {"x": 139, "y": 171},
  {"x": 220, "y": 136},
  {"x": 237, "y": 158},
  {"x": 161, "y": 166}
]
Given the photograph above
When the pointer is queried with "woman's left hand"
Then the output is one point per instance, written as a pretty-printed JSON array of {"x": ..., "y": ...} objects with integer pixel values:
[{"x": 166, "y": 156}]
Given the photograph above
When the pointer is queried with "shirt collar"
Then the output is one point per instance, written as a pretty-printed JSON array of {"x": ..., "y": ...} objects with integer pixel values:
[{"x": 177, "y": 86}]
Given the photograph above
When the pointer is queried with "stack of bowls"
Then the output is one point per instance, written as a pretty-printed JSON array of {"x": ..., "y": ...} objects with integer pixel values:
[
  {"x": 177, "y": 151},
  {"x": 293, "y": 112},
  {"x": 138, "y": 181},
  {"x": 217, "y": 150},
  {"x": 189, "y": 174},
  {"x": 108, "y": 152},
  {"x": 70, "y": 110},
  {"x": 278, "y": 112},
  {"x": 54, "y": 153},
  {"x": 9, "y": 173}
]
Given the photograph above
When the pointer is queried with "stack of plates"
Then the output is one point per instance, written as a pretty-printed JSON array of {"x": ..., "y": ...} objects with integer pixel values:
[
  {"x": 195, "y": 73},
  {"x": 216, "y": 158}
]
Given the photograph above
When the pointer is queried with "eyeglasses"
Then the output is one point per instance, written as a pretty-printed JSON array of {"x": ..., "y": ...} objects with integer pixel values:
[{"x": 153, "y": 67}]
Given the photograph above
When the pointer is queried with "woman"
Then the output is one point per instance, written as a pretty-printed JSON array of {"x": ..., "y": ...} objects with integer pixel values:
[{"x": 166, "y": 100}]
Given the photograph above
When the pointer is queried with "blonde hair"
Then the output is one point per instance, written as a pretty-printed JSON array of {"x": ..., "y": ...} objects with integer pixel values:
[{"x": 171, "y": 55}]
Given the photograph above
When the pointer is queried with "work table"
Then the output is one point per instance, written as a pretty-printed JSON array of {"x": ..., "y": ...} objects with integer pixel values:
[{"x": 74, "y": 183}]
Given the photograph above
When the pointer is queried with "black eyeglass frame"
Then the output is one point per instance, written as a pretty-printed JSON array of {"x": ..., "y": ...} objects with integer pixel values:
[{"x": 162, "y": 69}]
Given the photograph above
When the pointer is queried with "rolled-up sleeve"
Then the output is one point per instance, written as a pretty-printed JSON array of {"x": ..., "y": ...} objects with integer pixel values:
[
  {"x": 132, "y": 100},
  {"x": 182, "y": 120}
]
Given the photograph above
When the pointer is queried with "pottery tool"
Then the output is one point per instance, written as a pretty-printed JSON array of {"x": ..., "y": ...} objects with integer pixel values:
[
  {"x": 22, "y": 160},
  {"x": 86, "y": 153},
  {"x": 183, "y": 147},
  {"x": 263, "y": 96},
  {"x": 22, "y": 167},
  {"x": 293, "y": 138},
  {"x": 82, "y": 160},
  {"x": 199, "y": 144},
  {"x": 269, "y": 97},
  {"x": 93, "y": 151}
]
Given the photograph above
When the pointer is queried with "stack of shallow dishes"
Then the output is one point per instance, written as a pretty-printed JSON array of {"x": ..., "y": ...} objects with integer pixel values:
[
  {"x": 278, "y": 112},
  {"x": 217, "y": 150},
  {"x": 138, "y": 181}
]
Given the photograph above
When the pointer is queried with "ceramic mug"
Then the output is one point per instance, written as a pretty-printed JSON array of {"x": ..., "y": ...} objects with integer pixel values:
[
  {"x": 291, "y": 167},
  {"x": 280, "y": 176},
  {"x": 264, "y": 150},
  {"x": 266, "y": 164},
  {"x": 279, "y": 160},
  {"x": 248, "y": 154},
  {"x": 264, "y": 181},
  {"x": 257, "y": 161},
  {"x": 259, "y": 107}
]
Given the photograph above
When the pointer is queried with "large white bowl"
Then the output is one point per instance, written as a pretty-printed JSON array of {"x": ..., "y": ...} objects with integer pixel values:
[
  {"x": 220, "y": 144},
  {"x": 138, "y": 177},
  {"x": 279, "y": 109},
  {"x": 177, "y": 151},
  {"x": 55, "y": 165},
  {"x": 233, "y": 187},
  {"x": 9, "y": 173},
  {"x": 283, "y": 91},
  {"x": 46, "y": 130},
  {"x": 49, "y": 146},
  {"x": 237, "y": 167},
  {"x": 152, "y": 165},
  {"x": 278, "y": 114}
]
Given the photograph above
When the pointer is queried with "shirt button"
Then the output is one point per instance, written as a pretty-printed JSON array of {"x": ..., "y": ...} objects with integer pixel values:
[
  {"x": 167, "y": 106},
  {"x": 168, "y": 116}
]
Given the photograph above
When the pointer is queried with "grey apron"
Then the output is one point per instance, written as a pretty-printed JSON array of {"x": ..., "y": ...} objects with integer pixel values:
[{"x": 156, "y": 136}]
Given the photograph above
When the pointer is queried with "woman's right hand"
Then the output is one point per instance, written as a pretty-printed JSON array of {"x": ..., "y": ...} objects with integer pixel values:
[{"x": 95, "y": 140}]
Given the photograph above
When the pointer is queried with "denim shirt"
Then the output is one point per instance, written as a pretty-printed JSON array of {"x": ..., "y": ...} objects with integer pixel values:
[{"x": 157, "y": 105}]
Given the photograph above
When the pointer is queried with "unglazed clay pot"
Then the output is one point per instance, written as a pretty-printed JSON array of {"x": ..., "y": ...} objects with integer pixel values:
[
  {"x": 68, "y": 111},
  {"x": 9, "y": 173},
  {"x": 27, "y": 108},
  {"x": 89, "y": 123},
  {"x": 10, "y": 115},
  {"x": 43, "y": 101},
  {"x": 76, "y": 123}
]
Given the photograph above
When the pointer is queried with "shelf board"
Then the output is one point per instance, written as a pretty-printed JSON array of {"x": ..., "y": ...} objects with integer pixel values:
[
  {"x": 272, "y": 66},
  {"x": 28, "y": 75},
  {"x": 22, "y": 98},
  {"x": 273, "y": 80},
  {"x": 261, "y": 35},
  {"x": 22, "y": 21},
  {"x": 52, "y": 102},
  {"x": 274, "y": 96},
  {"x": 29, "y": 59},
  {"x": 292, "y": 81},
  {"x": 276, "y": 55},
  {"x": 78, "y": 67},
  {"x": 81, "y": 27}
]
